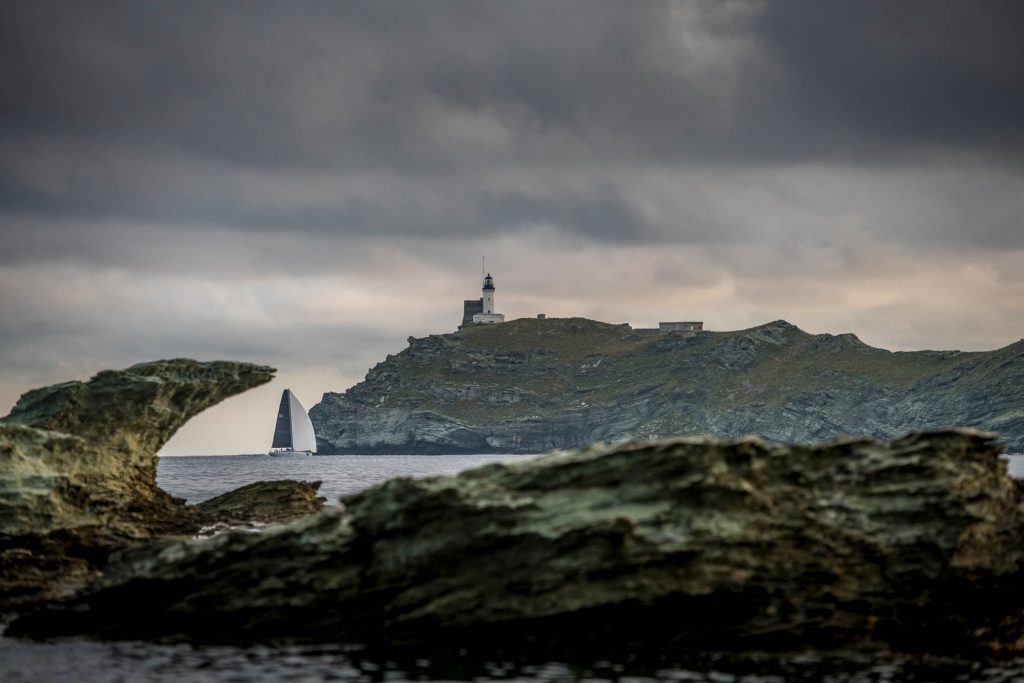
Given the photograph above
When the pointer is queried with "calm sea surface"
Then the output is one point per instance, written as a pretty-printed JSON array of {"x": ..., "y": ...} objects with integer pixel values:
[{"x": 197, "y": 478}]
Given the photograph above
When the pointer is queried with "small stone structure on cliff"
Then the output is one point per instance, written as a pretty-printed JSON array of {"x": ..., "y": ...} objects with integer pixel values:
[
  {"x": 692, "y": 327},
  {"x": 686, "y": 329},
  {"x": 482, "y": 310}
]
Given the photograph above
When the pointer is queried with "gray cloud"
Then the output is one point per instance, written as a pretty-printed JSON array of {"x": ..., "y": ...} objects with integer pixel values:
[
  {"x": 307, "y": 183},
  {"x": 819, "y": 212},
  {"x": 877, "y": 78},
  {"x": 164, "y": 111},
  {"x": 364, "y": 84}
]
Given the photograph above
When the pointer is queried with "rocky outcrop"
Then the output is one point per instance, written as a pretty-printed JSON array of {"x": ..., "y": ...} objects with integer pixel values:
[
  {"x": 534, "y": 385},
  {"x": 913, "y": 545},
  {"x": 263, "y": 502},
  {"x": 78, "y": 468}
]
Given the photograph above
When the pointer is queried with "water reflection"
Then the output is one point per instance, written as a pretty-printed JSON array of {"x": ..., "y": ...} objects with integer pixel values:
[{"x": 90, "y": 661}]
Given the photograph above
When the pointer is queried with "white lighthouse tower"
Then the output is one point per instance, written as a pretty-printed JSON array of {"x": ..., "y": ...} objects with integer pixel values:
[
  {"x": 488, "y": 295},
  {"x": 487, "y": 314}
]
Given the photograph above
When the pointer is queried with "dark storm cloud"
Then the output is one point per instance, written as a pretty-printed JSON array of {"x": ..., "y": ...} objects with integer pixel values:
[
  {"x": 897, "y": 77},
  {"x": 157, "y": 112},
  {"x": 353, "y": 83}
]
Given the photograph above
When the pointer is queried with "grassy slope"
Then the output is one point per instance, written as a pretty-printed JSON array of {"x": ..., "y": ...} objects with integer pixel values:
[{"x": 573, "y": 360}]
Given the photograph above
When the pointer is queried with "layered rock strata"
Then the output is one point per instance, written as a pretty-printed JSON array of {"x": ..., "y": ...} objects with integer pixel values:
[
  {"x": 534, "y": 385},
  {"x": 263, "y": 502},
  {"x": 914, "y": 545},
  {"x": 78, "y": 470}
]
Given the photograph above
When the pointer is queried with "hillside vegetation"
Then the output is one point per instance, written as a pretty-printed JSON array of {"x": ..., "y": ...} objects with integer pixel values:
[{"x": 533, "y": 385}]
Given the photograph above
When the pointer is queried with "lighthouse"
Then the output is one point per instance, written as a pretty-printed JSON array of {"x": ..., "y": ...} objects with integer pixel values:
[
  {"x": 487, "y": 314},
  {"x": 488, "y": 295}
]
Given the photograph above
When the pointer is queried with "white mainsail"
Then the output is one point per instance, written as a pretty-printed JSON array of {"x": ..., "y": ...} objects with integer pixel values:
[{"x": 303, "y": 438}]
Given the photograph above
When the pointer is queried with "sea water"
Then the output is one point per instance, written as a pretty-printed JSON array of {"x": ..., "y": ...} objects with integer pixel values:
[
  {"x": 84, "y": 662},
  {"x": 1015, "y": 465},
  {"x": 198, "y": 478}
]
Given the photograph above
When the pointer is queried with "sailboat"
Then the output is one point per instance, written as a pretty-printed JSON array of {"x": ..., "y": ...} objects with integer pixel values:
[{"x": 293, "y": 434}]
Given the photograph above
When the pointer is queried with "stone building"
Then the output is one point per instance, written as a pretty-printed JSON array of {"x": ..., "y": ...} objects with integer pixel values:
[
  {"x": 471, "y": 307},
  {"x": 681, "y": 327}
]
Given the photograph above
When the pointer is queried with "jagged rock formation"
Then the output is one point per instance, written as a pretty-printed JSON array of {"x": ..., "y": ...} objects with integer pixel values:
[
  {"x": 534, "y": 385},
  {"x": 121, "y": 419},
  {"x": 263, "y": 502},
  {"x": 78, "y": 468},
  {"x": 912, "y": 545}
]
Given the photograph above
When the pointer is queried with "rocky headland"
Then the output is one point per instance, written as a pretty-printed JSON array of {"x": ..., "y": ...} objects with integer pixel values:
[
  {"x": 78, "y": 473},
  {"x": 533, "y": 385},
  {"x": 911, "y": 545}
]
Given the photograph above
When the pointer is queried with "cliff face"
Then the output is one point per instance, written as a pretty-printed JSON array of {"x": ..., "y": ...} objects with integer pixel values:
[
  {"x": 911, "y": 545},
  {"x": 533, "y": 385}
]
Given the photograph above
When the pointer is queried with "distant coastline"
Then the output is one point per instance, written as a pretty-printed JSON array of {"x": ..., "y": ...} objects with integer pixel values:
[{"x": 534, "y": 385}]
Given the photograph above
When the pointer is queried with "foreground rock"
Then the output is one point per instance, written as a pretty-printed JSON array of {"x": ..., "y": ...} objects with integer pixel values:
[
  {"x": 263, "y": 503},
  {"x": 535, "y": 385},
  {"x": 78, "y": 469},
  {"x": 912, "y": 545}
]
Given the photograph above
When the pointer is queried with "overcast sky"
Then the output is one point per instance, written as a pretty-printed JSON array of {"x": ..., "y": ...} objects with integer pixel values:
[{"x": 306, "y": 184}]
